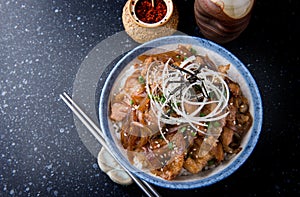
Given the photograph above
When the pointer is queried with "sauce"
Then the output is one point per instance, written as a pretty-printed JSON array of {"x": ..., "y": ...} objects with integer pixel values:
[{"x": 148, "y": 14}]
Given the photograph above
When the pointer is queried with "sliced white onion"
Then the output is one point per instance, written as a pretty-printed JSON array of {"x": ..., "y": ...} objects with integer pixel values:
[{"x": 167, "y": 81}]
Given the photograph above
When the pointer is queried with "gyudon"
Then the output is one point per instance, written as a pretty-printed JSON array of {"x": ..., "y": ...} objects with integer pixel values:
[{"x": 178, "y": 113}]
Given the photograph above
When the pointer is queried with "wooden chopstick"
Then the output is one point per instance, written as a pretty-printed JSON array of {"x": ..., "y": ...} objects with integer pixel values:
[
  {"x": 152, "y": 2},
  {"x": 97, "y": 133}
]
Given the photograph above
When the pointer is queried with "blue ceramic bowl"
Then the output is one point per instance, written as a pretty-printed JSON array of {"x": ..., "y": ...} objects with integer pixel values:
[{"x": 219, "y": 55}]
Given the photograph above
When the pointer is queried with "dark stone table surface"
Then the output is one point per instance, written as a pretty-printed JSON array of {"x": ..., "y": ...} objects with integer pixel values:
[{"x": 42, "y": 47}]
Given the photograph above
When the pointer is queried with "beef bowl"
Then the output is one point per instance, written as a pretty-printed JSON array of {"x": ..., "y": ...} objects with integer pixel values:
[{"x": 180, "y": 112}]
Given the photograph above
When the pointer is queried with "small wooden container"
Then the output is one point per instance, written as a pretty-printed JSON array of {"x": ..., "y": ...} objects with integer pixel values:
[
  {"x": 142, "y": 28},
  {"x": 145, "y": 15}
]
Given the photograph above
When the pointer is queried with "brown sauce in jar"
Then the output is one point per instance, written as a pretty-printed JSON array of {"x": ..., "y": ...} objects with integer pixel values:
[{"x": 149, "y": 14}]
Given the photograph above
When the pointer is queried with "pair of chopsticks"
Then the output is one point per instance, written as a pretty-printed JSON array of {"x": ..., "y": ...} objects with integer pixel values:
[{"x": 97, "y": 133}]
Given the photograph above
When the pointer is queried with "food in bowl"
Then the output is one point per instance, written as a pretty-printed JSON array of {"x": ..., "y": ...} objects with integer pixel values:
[{"x": 179, "y": 113}]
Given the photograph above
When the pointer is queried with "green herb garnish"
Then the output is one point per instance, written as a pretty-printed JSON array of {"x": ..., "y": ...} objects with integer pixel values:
[
  {"x": 182, "y": 129},
  {"x": 141, "y": 79},
  {"x": 131, "y": 102},
  {"x": 193, "y": 51}
]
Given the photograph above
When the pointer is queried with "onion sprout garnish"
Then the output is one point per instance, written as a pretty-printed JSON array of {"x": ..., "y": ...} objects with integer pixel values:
[{"x": 193, "y": 94}]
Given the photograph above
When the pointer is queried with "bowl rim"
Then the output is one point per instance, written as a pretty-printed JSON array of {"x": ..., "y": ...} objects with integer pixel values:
[{"x": 184, "y": 39}]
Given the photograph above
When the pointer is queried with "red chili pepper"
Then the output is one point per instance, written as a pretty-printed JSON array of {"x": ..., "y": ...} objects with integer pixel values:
[{"x": 148, "y": 14}]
